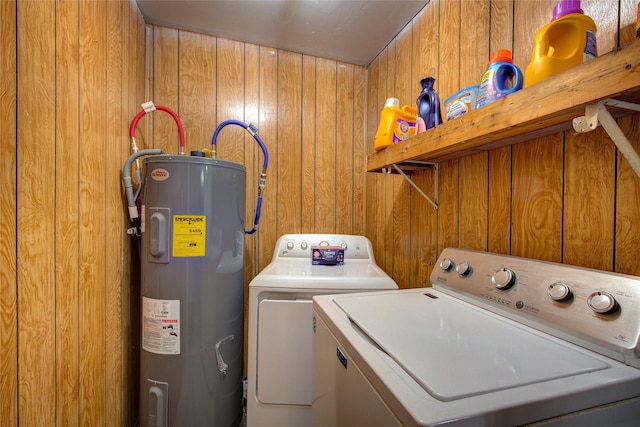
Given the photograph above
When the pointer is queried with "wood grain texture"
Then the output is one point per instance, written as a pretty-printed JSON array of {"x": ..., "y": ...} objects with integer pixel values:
[
  {"x": 67, "y": 206},
  {"x": 8, "y": 211},
  {"x": 269, "y": 232},
  {"x": 326, "y": 145},
  {"x": 359, "y": 150},
  {"x": 35, "y": 212},
  {"x": 345, "y": 122},
  {"x": 165, "y": 89},
  {"x": 92, "y": 227},
  {"x": 289, "y": 148},
  {"x": 308, "y": 144}
]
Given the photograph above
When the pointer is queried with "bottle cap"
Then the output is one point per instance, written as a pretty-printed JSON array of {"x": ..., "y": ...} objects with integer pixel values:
[
  {"x": 565, "y": 7},
  {"x": 427, "y": 82},
  {"x": 502, "y": 55},
  {"x": 392, "y": 102}
]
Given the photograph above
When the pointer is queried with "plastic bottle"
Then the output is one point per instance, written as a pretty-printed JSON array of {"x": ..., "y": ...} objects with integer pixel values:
[
  {"x": 429, "y": 104},
  {"x": 500, "y": 79},
  {"x": 396, "y": 124},
  {"x": 568, "y": 40},
  {"x": 461, "y": 102}
]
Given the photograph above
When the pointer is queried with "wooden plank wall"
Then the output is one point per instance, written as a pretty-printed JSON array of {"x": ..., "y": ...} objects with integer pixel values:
[
  {"x": 73, "y": 74},
  {"x": 310, "y": 115},
  {"x": 564, "y": 198}
]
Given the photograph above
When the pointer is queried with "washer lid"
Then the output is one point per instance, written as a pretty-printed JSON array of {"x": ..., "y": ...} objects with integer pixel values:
[{"x": 454, "y": 350}]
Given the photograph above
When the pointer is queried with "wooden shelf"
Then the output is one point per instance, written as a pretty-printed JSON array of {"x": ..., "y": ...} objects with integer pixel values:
[{"x": 542, "y": 109}]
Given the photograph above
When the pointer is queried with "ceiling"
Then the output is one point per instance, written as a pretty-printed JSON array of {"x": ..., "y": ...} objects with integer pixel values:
[{"x": 352, "y": 31}]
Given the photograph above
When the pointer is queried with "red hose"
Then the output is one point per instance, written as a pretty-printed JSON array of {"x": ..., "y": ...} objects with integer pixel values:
[{"x": 136, "y": 119}]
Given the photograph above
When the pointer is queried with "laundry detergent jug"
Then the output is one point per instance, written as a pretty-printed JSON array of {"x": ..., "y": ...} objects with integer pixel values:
[
  {"x": 500, "y": 79},
  {"x": 396, "y": 124},
  {"x": 568, "y": 40}
]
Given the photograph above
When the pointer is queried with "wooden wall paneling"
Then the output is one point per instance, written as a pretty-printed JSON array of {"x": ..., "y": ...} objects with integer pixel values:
[
  {"x": 627, "y": 211},
  {"x": 308, "y": 142},
  {"x": 268, "y": 110},
  {"x": 537, "y": 165},
  {"x": 326, "y": 99},
  {"x": 401, "y": 205},
  {"x": 137, "y": 76},
  {"x": 116, "y": 138},
  {"x": 537, "y": 199},
  {"x": 376, "y": 204},
  {"x": 8, "y": 210},
  {"x": 165, "y": 89},
  {"x": 499, "y": 202},
  {"x": 589, "y": 190},
  {"x": 289, "y": 137},
  {"x": 388, "y": 182},
  {"x": 35, "y": 212},
  {"x": 475, "y": 22},
  {"x": 423, "y": 217},
  {"x": 359, "y": 149},
  {"x": 450, "y": 50},
  {"x": 253, "y": 159},
  {"x": 197, "y": 88},
  {"x": 344, "y": 173},
  {"x": 372, "y": 117},
  {"x": 92, "y": 213}
]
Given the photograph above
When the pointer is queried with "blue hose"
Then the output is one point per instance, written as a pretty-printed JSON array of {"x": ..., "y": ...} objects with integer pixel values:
[{"x": 263, "y": 176}]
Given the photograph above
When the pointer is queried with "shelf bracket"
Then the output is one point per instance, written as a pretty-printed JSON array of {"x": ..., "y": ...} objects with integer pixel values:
[
  {"x": 422, "y": 193},
  {"x": 595, "y": 113}
]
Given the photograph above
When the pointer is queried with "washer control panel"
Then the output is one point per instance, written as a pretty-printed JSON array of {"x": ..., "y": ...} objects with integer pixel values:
[
  {"x": 596, "y": 306},
  {"x": 299, "y": 245}
]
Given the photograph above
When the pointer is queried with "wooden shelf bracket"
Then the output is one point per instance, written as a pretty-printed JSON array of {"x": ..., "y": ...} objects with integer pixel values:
[
  {"x": 413, "y": 184},
  {"x": 598, "y": 113}
]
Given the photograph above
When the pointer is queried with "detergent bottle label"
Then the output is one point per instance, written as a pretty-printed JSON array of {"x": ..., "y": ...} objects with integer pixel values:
[
  {"x": 403, "y": 130},
  {"x": 590, "y": 49}
]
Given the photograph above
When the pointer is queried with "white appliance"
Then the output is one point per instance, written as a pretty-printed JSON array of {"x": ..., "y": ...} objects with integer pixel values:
[
  {"x": 496, "y": 340},
  {"x": 280, "y": 321}
]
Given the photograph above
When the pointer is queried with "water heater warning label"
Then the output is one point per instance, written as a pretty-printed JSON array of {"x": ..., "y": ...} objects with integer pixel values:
[
  {"x": 189, "y": 235},
  {"x": 161, "y": 326}
]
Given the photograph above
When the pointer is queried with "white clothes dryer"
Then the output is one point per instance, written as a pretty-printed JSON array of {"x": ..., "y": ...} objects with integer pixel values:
[{"x": 280, "y": 321}]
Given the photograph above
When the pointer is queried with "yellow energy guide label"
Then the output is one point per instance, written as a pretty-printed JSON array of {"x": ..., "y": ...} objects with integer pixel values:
[{"x": 189, "y": 235}]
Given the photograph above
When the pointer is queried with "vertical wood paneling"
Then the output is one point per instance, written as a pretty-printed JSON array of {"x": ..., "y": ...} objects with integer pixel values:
[
  {"x": 289, "y": 134},
  {"x": 308, "y": 144},
  {"x": 627, "y": 219},
  {"x": 344, "y": 149},
  {"x": 253, "y": 159},
  {"x": 113, "y": 144},
  {"x": 475, "y": 20},
  {"x": 165, "y": 89},
  {"x": 230, "y": 99},
  {"x": 197, "y": 88},
  {"x": 325, "y": 187},
  {"x": 8, "y": 288},
  {"x": 35, "y": 224},
  {"x": 499, "y": 201},
  {"x": 423, "y": 216},
  {"x": 359, "y": 150},
  {"x": 92, "y": 213},
  {"x": 67, "y": 236},
  {"x": 269, "y": 132},
  {"x": 69, "y": 140}
]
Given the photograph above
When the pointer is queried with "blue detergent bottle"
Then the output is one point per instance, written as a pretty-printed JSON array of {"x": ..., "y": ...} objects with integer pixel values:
[{"x": 500, "y": 79}]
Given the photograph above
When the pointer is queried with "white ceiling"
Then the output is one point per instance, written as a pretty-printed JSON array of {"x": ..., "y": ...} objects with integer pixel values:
[{"x": 352, "y": 31}]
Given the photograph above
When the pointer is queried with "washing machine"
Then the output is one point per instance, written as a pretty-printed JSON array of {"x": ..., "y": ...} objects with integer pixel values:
[
  {"x": 495, "y": 341},
  {"x": 280, "y": 319}
]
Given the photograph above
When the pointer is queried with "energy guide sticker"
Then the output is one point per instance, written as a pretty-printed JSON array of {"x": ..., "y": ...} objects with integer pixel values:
[
  {"x": 161, "y": 326},
  {"x": 189, "y": 235}
]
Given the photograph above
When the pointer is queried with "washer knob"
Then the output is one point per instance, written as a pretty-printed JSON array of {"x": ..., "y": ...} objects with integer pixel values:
[
  {"x": 602, "y": 302},
  {"x": 464, "y": 269},
  {"x": 559, "y": 292},
  {"x": 289, "y": 245},
  {"x": 303, "y": 245},
  {"x": 344, "y": 245},
  {"x": 503, "y": 279},
  {"x": 446, "y": 264}
]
